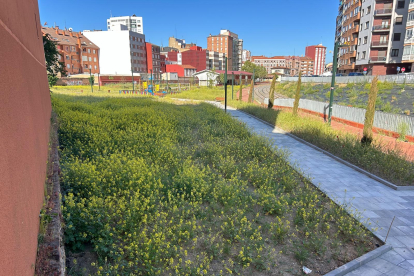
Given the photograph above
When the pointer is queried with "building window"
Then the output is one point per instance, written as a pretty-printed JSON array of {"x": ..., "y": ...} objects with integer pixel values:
[
  {"x": 397, "y": 36},
  {"x": 89, "y": 51},
  {"x": 369, "y": 10},
  {"x": 358, "y": 56},
  {"x": 367, "y": 25},
  {"x": 395, "y": 52},
  {"x": 399, "y": 20},
  {"x": 94, "y": 51},
  {"x": 364, "y": 53},
  {"x": 365, "y": 39},
  {"x": 68, "y": 65},
  {"x": 401, "y": 5}
]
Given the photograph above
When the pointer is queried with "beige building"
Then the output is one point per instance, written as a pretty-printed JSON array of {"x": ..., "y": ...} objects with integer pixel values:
[{"x": 179, "y": 44}]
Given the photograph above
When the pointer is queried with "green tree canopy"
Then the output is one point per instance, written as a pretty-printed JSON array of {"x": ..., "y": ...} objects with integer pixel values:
[
  {"x": 53, "y": 66},
  {"x": 259, "y": 71}
]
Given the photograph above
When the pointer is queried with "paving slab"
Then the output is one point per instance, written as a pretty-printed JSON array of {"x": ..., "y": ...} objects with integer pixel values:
[{"x": 363, "y": 195}]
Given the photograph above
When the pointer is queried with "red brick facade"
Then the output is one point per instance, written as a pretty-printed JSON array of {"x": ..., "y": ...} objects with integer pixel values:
[{"x": 77, "y": 52}]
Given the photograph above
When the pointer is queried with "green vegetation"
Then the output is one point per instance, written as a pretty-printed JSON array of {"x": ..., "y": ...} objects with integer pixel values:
[
  {"x": 370, "y": 113},
  {"x": 403, "y": 129},
  {"x": 53, "y": 65},
  {"x": 387, "y": 164},
  {"x": 250, "y": 99},
  {"x": 259, "y": 71},
  {"x": 160, "y": 189}
]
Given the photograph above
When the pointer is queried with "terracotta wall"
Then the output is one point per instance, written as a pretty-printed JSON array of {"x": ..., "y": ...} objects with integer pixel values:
[{"x": 24, "y": 133}]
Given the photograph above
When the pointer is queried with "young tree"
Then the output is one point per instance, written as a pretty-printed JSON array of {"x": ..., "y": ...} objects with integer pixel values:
[
  {"x": 53, "y": 65},
  {"x": 297, "y": 95},
  {"x": 272, "y": 92},
  {"x": 221, "y": 78},
  {"x": 211, "y": 76},
  {"x": 241, "y": 89},
  {"x": 370, "y": 113},
  {"x": 250, "y": 100}
]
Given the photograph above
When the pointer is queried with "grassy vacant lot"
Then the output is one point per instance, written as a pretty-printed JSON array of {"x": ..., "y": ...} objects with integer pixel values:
[
  {"x": 152, "y": 188},
  {"x": 392, "y": 98},
  {"x": 388, "y": 165}
]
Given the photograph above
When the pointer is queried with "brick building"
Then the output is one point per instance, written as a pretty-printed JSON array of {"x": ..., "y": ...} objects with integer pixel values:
[
  {"x": 153, "y": 60},
  {"x": 269, "y": 62},
  {"x": 77, "y": 52},
  {"x": 196, "y": 57},
  {"x": 318, "y": 54},
  {"x": 306, "y": 66},
  {"x": 229, "y": 44}
]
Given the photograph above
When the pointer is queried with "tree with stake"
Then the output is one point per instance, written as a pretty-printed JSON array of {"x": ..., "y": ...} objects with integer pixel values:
[
  {"x": 370, "y": 113},
  {"x": 241, "y": 89},
  {"x": 297, "y": 95},
  {"x": 272, "y": 92},
  {"x": 250, "y": 100}
]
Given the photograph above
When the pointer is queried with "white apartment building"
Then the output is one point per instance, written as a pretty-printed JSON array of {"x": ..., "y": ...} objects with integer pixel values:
[
  {"x": 269, "y": 62},
  {"x": 121, "y": 51},
  {"x": 133, "y": 23}
]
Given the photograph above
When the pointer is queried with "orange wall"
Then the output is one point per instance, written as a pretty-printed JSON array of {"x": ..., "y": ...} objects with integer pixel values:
[{"x": 24, "y": 134}]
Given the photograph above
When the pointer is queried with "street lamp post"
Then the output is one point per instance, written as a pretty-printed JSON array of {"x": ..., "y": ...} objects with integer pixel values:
[
  {"x": 232, "y": 84},
  {"x": 133, "y": 87},
  {"x": 225, "y": 84},
  {"x": 152, "y": 84},
  {"x": 253, "y": 87},
  {"x": 337, "y": 46}
]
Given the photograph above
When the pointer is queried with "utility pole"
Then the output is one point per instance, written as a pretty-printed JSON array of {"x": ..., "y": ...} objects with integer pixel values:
[
  {"x": 253, "y": 88},
  {"x": 336, "y": 48},
  {"x": 133, "y": 87},
  {"x": 225, "y": 85},
  {"x": 232, "y": 84},
  {"x": 152, "y": 84}
]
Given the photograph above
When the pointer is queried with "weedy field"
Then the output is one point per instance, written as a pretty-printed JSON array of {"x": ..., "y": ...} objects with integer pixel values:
[
  {"x": 392, "y": 98},
  {"x": 153, "y": 188}
]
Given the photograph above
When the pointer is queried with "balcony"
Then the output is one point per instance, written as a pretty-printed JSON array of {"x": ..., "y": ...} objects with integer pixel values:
[
  {"x": 379, "y": 44},
  {"x": 350, "y": 66},
  {"x": 410, "y": 23},
  {"x": 409, "y": 40},
  {"x": 376, "y": 59},
  {"x": 355, "y": 29},
  {"x": 383, "y": 12},
  {"x": 381, "y": 28},
  {"x": 411, "y": 6},
  {"x": 407, "y": 58}
]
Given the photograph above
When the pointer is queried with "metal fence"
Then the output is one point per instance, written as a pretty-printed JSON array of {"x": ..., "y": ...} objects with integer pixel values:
[
  {"x": 400, "y": 78},
  {"x": 386, "y": 121}
]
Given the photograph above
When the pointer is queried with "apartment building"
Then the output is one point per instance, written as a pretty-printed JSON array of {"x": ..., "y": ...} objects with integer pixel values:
[
  {"x": 246, "y": 56},
  {"x": 121, "y": 51},
  {"x": 179, "y": 44},
  {"x": 294, "y": 64},
  {"x": 132, "y": 23},
  {"x": 374, "y": 33},
  {"x": 77, "y": 52},
  {"x": 269, "y": 62},
  {"x": 153, "y": 60},
  {"x": 229, "y": 44},
  {"x": 318, "y": 54},
  {"x": 306, "y": 66},
  {"x": 408, "y": 51}
]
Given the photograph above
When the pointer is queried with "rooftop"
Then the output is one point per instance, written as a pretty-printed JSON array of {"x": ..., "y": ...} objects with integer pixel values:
[{"x": 66, "y": 37}]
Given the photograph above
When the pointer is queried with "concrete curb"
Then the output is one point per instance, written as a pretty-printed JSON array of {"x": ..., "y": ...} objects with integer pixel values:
[
  {"x": 358, "y": 262},
  {"x": 379, "y": 179}
]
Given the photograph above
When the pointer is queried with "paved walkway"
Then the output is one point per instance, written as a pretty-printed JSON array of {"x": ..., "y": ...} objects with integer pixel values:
[{"x": 373, "y": 200}]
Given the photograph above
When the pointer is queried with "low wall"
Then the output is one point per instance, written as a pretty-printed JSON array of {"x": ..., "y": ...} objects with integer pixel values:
[
  {"x": 400, "y": 79},
  {"x": 383, "y": 121}
]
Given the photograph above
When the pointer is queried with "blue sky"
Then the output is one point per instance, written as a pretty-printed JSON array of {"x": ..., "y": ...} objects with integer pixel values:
[{"x": 268, "y": 27}]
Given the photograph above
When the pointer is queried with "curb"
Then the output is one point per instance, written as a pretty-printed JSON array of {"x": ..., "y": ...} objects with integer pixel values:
[
  {"x": 370, "y": 175},
  {"x": 358, "y": 262}
]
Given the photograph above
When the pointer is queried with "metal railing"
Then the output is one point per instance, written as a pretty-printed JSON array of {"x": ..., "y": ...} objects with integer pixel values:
[
  {"x": 381, "y": 28},
  {"x": 408, "y": 57},
  {"x": 411, "y": 6},
  {"x": 383, "y": 12},
  {"x": 379, "y": 43},
  {"x": 377, "y": 59}
]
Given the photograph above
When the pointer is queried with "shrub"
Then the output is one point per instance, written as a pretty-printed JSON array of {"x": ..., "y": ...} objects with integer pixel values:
[
  {"x": 370, "y": 113},
  {"x": 297, "y": 95}
]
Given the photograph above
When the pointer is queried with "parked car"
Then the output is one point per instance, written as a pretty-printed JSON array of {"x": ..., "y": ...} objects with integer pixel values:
[
  {"x": 355, "y": 74},
  {"x": 340, "y": 75}
]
